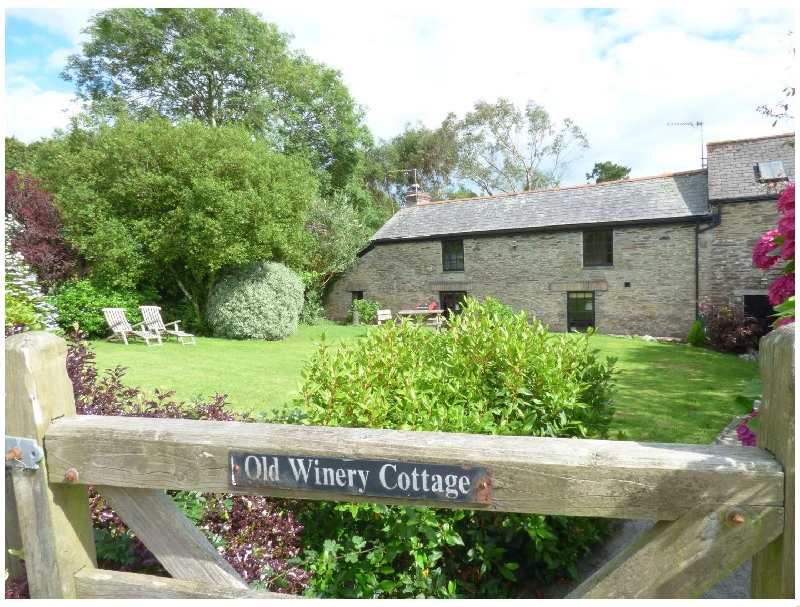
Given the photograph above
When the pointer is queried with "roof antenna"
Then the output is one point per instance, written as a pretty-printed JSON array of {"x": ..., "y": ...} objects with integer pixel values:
[
  {"x": 703, "y": 159},
  {"x": 405, "y": 173}
]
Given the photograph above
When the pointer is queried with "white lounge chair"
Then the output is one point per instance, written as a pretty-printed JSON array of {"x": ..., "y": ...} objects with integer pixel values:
[
  {"x": 153, "y": 321},
  {"x": 122, "y": 329}
]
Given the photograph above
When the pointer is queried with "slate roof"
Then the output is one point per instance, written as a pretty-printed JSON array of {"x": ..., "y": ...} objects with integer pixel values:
[{"x": 672, "y": 197}]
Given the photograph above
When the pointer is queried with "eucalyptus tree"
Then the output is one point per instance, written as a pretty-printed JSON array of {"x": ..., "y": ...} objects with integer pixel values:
[{"x": 502, "y": 148}]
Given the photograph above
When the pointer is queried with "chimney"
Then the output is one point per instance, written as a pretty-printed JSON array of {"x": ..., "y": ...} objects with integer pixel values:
[{"x": 416, "y": 195}]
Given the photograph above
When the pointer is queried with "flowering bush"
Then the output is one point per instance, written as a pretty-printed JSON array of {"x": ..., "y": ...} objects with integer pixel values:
[
  {"x": 25, "y": 304},
  {"x": 777, "y": 246}
]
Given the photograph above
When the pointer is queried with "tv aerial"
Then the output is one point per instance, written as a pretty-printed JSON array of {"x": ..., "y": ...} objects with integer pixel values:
[{"x": 703, "y": 159}]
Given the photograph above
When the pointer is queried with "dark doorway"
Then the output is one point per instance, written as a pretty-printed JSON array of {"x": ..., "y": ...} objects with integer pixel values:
[
  {"x": 758, "y": 307},
  {"x": 451, "y": 301}
]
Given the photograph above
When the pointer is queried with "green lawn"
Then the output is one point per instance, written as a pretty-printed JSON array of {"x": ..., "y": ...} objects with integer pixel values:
[
  {"x": 256, "y": 375},
  {"x": 666, "y": 392},
  {"x": 674, "y": 393}
]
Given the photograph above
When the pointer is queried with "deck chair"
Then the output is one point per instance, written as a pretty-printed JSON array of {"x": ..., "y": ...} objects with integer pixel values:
[
  {"x": 122, "y": 329},
  {"x": 152, "y": 320}
]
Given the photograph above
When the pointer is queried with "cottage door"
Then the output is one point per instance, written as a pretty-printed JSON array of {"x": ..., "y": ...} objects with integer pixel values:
[{"x": 580, "y": 310}]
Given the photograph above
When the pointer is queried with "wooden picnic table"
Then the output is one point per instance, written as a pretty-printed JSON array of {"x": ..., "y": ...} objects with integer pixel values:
[{"x": 424, "y": 315}]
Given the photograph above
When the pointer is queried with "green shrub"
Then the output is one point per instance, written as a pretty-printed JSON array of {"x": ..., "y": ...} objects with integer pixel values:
[
  {"x": 491, "y": 372},
  {"x": 313, "y": 311},
  {"x": 367, "y": 310},
  {"x": 697, "y": 335},
  {"x": 82, "y": 302},
  {"x": 260, "y": 301}
]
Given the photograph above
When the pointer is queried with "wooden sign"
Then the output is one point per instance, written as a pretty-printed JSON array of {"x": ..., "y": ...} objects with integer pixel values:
[{"x": 411, "y": 480}]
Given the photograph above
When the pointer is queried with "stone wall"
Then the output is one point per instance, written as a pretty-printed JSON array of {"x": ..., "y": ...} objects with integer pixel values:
[
  {"x": 733, "y": 165},
  {"x": 727, "y": 272},
  {"x": 534, "y": 271}
]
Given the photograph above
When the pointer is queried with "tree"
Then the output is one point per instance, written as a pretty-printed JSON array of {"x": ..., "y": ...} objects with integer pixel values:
[
  {"x": 149, "y": 203},
  {"x": 504, "y": 149},
  {"x": 41, "y": 242},
  {"x": 339, "y": 234},
  {"x": 780, "y": 111},
  {"x": 221, "y": 66},
  {"x": 608, "y": 171},
  {"x": 428, "y": 156}
]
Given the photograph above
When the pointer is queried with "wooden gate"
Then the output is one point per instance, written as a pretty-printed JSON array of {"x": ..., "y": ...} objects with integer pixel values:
[{"x": 716, "y": 505}]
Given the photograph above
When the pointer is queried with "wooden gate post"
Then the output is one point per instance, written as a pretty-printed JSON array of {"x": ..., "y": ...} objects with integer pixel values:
[
  {"x": 773, "y": 567},
  {"x": 54, "y": 520}
]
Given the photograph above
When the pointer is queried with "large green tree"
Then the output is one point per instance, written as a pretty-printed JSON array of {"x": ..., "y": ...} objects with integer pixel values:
[
  {"x": 221, "y": 66},
  {"x": 502, "y": 148},
  {"x": 173, "y": 206},
  {"x": 608, "y": 171}
]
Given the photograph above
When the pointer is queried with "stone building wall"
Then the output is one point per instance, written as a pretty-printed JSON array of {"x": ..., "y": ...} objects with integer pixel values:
[
  {"x": 733, "y": 165},
  {"x": 727, "y": 272},
  {"x": 535, "y": 271}
]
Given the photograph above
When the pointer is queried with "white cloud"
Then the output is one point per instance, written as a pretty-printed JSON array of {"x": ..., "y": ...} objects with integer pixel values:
[
  {"x": 621, "y": 75},
  {"x": 32, "y": 113}
]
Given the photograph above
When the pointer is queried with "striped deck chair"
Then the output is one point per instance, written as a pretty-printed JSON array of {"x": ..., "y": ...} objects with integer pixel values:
[{"x": 121, "y": 329}]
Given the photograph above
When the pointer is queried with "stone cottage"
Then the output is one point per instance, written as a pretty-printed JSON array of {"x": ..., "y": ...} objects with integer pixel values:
[{"x": 626, "y": 257}]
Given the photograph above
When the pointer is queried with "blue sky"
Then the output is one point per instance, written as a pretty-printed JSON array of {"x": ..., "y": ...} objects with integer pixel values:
[{"x": 622, "y": 75}]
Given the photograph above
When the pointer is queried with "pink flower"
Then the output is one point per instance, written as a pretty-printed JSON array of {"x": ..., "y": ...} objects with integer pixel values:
[
  {"x": 787, "y": 250},
  {"x": 746, "y": 436},
  {"x": 784, "y": 321},
  {"x": 781, "y": 289},
  {"x": 786, "y": 224},
  {"x": 764, "y": 246},
  {"x": 786, "y": 201}
]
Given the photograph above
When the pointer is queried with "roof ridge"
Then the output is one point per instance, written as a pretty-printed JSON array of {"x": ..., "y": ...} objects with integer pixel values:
[
  {"x": 569, "y": 187},
  {"x": 763, "y": 137}
]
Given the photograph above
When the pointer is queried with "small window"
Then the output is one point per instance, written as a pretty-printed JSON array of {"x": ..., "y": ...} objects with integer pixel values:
[
  {"x": 453, "y": 255},
  {"x": 356, "y": 295},
  {"x": 771, "y": 171},
  {"x": 598, "y": 248}
]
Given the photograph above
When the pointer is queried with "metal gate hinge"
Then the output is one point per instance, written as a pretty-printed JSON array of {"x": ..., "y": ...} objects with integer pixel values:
[{"x": 23, "y": 453}]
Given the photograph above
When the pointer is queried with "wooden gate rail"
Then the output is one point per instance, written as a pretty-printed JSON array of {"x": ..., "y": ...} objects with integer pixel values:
[
  {"x": 717, "y": 505},
  {"x": 542, "y": 475}
]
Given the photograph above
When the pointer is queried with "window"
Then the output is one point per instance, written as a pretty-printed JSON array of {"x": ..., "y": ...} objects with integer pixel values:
[
  {"x": 451, "y": 301},
  {"x": 356, "y": 295},
  {"x": 771, "y": 171},
  {"x": 580, "y": 310},
  {"x": 453, "y": 255},
  {"x": 598, "y": 248}
]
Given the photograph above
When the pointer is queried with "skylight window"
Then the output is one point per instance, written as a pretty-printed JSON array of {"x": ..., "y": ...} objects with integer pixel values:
[{"x": 771, "y": 171}]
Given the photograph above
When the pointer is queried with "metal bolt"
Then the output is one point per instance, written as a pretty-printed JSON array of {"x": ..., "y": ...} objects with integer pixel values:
[
  {"x": 236, "y": 468},
  {"x": 14, "y": 453},
  {"x": 481, "y": 485},
  {"x": 736, "y": 517},
  {"x": 71, "y": 476}
]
